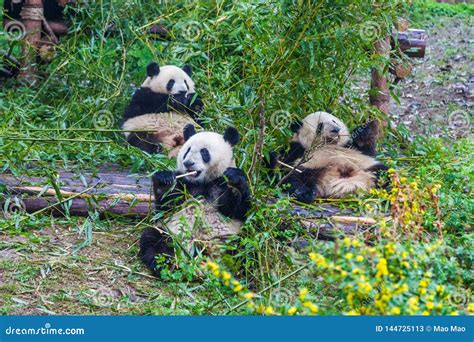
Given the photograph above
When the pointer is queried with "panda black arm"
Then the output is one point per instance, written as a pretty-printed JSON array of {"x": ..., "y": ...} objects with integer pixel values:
[
  {"x": 234, "y": 202},
  {"x": 303, "y": 186},
  {"x": 167, "y": 190}
]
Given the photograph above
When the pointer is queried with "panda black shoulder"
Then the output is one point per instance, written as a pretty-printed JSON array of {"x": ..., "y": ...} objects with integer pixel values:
[{"x": 146, "y": 101}]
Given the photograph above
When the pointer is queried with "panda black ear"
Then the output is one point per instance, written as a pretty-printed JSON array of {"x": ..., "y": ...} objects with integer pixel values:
[
  {"x": 231, "y": 135},
  {"x": 153, "y": 69},
  {"x": 187, "y": 69},
  {"x": 296, "y": 125},
  {"x": 188, "y": 131}
]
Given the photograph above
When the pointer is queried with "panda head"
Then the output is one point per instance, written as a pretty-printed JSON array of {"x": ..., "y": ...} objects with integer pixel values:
[
  {"x": 320, "y": 127},
  {"x": 170, "y": 80},
  {"x": 208, "y": 153}
]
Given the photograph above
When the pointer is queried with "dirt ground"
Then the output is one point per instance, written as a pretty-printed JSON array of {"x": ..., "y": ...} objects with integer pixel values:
[
  {"x": 438, "y": 97},
  {"x": 41, "y": 273}
]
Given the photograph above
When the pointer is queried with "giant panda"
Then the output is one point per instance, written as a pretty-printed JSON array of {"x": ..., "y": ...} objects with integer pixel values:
[
  {"x": 327, "y": 161},
  {"x": 164, "y": 104},
  {"x": 199, "y": 209}
]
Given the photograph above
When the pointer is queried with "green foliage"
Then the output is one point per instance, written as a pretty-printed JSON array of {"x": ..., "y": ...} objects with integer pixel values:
[{"x": 254, "y": 63}]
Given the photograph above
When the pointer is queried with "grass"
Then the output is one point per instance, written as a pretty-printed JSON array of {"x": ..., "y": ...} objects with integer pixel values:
[{"x": 273, "y": 60}]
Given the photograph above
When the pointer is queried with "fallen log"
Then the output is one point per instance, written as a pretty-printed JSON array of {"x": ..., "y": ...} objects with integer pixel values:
[{"x": 117, "y": 192}]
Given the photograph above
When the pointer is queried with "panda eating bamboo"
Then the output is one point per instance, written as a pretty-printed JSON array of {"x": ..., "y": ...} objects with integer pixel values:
[
  {"x": 327, "y": 162},
  {"x": 205, "y": 200},
  {"x": 165, "y": 103}
]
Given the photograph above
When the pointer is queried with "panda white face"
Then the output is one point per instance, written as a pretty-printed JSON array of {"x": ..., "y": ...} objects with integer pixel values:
[
  {"x": 322, "y": 127},
  {"x": 207, "y": 153},
  {"x": 169, "y": 79}
]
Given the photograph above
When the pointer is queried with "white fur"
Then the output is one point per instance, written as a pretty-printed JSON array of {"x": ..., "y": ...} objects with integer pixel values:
[
  {"x": 219, "y": 150},
  {"x": 307, "y": 135},
  {"x": 167, "y": 127},
  {"x": 336, "y": 160},
  {"x": 167, "y": 72}
]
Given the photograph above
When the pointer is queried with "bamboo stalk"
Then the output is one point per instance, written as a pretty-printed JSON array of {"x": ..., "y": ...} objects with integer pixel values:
[
  {"x": 289, "y": 166},
  {"x": 354, "y": 219},
  {"x": 192, "y": 173},
  {"x": 52, "y": 192}
]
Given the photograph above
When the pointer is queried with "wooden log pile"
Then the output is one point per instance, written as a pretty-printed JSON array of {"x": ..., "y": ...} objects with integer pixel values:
[{"x": 113, "y": 192}]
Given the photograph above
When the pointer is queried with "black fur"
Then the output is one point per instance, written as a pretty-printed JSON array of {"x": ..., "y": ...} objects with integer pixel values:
[
  {"x": 296, "y": 125},
  {"x": 303, "y": 186},
  {"x": 232, "y": 136},
  {"x": 230, "y": 192},
  {"x": 152, "y": 69},
  {"x": 189, "y": 131},
  {"x": 187, "y": 69},
  {"x": 364, "y": 138},
  {"x": 145, "y": 101},
  {"x": 152, "y": 243}
]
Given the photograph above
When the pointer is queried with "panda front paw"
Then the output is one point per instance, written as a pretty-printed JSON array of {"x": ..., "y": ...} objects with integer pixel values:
[
  {"x": 235, "y": 177},
  {"x": 164, "y": 178},
  {"x": 304, "y": 194}
]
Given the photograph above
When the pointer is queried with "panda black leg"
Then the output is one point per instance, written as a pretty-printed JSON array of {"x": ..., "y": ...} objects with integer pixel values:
[
  {"x": 144, "y": 141},
  {"x": 303, "y": 186},
  {"x": 153, "y": 245}
]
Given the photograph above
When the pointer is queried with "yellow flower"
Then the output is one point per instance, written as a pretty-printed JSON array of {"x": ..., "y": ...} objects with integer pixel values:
[
  {"x": 425, "y": 313},
  {"x": 382, "y": 270},
  {"x": 313, "y": 308},
  {"x": 470, "y": 307},
  {"x": 303, "y": 293},
  {"x": 390, "y": 247},
  {"x": 440, "y": 288},
  {"x": 237, "y": 286},
  {"x": 347, "y": 241},
  {"x": 454, "y": 313},
  {"x": 349, "y": 256},
  {"x": 355, "y": 243},
  {"x": 356, "y": 271},
  {"x": 269, "y": 310},
  {"x": 212, "y": 266},
  {"x": 249, "y": 295},
  {"x": 359, "y": 258},
  {"x": 429, "y": 305},
  {"x": 352, "y": 313},
  {"x": 391, "y": 170},
  {"x": 292, "y": 311},
  {"x": 395, "y": 311},
  {"x": 343, "y": 273},
  {"x": 226, "y": 275}
]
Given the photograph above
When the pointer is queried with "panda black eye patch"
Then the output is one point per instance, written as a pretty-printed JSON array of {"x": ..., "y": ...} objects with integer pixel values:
[
  {"x": 170, "y": 85},
  {"x": 189, "y": 149},
  {"x": 206, "y": 157}
]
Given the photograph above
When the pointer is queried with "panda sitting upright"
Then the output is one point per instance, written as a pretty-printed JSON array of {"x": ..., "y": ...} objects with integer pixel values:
[
  {"x": 327, "y": 163},
  {"x": 164, "y": 104},
  {"x": 205, "y": 207}
]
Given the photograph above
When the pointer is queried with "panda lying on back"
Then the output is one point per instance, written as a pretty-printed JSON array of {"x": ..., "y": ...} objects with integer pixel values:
[
  {"x": 164, "y": 104},
  {"x": 218, "y": 194},
  {"x": 322, "y": 150}
]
